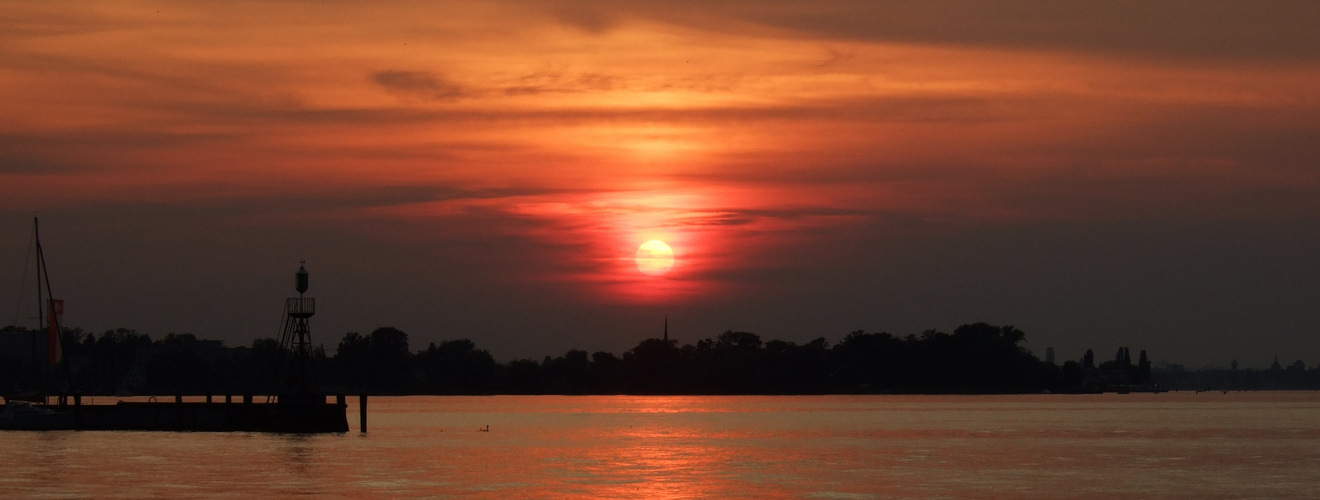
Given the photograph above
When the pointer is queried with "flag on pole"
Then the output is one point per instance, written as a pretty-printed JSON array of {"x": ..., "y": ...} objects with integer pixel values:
[{"x": 53, "y": 340}]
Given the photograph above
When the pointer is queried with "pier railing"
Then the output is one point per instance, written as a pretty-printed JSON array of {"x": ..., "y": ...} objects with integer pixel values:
[{"x": 300, "y": 306}]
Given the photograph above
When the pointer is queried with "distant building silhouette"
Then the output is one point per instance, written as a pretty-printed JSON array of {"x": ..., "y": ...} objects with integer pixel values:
[{"x": 1049, "y": 355}]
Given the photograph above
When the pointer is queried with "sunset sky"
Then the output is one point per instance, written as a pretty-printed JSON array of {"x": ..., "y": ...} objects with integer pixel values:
[{"x": 1099, "y": 174}]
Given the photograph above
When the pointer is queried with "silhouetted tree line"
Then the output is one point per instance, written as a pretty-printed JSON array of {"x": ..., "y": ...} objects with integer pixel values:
[
  {"x": 125, "y": 361},
  {"x": 975, "y": 359}
]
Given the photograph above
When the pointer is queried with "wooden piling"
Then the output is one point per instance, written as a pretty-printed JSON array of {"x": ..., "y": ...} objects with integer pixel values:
[{"x": 362, "y": 412}]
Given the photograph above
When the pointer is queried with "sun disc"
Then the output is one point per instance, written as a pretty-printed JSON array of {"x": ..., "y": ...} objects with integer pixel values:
[{"x": 654, "y": 258}]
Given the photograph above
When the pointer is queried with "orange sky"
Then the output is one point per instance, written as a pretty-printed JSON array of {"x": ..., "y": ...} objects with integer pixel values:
[{"x": 525, "y": 149}]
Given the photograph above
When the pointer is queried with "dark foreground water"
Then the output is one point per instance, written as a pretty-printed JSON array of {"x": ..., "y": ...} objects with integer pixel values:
[{"x": 1173, "y": 445}]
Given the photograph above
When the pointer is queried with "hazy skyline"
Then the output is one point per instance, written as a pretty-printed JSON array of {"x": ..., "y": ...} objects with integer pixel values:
[{"x": 1141, "y": 174}]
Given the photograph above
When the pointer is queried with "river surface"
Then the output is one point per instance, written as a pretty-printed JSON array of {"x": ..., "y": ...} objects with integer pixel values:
[{"x": 1172, "y": 445}]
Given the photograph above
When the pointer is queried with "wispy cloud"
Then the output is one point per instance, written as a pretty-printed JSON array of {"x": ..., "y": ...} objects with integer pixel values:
[{"x": 417, "y": 84}]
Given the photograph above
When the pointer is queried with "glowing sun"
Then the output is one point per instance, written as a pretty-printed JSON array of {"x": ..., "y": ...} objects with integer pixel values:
[{"x": 654, "y": 258}]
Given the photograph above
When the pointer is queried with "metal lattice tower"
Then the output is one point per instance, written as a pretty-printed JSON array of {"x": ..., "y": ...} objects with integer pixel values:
[{"x": 296, "y": 337}]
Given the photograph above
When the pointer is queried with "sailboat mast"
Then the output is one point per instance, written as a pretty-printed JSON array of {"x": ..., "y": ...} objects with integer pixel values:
[
  {"x": 41, "y": 325},
  {"x": 55, "y": 341},
  {"x": 41, "y": 311}
]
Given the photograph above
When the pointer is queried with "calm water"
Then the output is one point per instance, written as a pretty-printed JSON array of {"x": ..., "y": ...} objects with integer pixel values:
[{"x": 1175, "y": 445}]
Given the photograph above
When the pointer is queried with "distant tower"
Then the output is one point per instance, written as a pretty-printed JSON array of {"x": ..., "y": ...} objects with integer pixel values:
[
  {"x": 296, "y": 338},
  {"x": 666, "y": 328},
  {"x": 1049, "y": 355}
]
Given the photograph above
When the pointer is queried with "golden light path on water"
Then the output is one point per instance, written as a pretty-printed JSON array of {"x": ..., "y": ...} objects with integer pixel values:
[{"x": 1173, "y": 445}]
